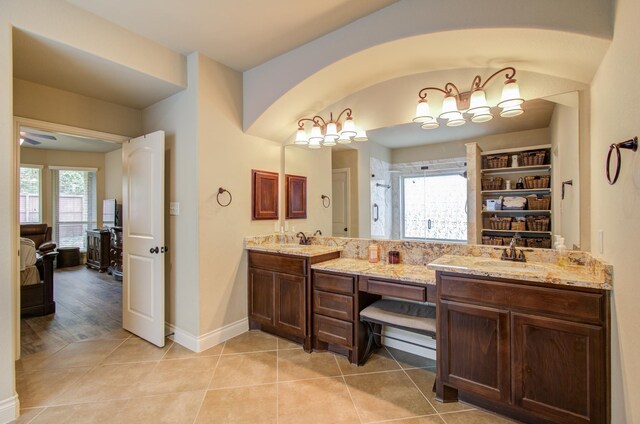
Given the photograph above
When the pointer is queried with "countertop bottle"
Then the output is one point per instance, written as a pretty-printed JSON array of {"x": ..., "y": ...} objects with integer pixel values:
[
  {"x": 562, "y": 251},
  {"x": 374, "y": 253}
]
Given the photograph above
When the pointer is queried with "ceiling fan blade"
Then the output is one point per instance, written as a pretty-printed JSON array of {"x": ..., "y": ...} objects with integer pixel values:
[
  {"x": 31, "y": 141},
  {"x": 30, "y": 134}
]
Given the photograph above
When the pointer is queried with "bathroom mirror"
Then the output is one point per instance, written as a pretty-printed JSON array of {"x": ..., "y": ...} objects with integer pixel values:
[{"x": 410, "y": 183}]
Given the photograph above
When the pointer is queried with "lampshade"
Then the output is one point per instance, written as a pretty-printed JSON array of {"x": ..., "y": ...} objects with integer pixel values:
[
  {"x": 329, "y": 140},
  {"x": 449, "y": 108},
  {"x": 301, "y": 137},
  {"x": 348, "y": 128},
  {"x": 482, "y": 116},
  {"x": 455, "y": 119},
  {"x": 344, "y": 138},
  {"x": 511, "y": 111},
  {"x": 430, "y": 124},
  {"x": 21, "y": 140},
  {"x": 510, "y": 95},
  {"x": 361, "y": 136},
  {"x": 316, "y": 135},
  {"x": 314, "y": 143},
  {"x": 478, "y": 102},
  {"x": 332, "y": 130},
  {"x": 423, "y": 113}
]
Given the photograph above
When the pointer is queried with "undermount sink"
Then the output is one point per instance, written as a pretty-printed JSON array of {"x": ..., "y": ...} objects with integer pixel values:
[{"x": 500, "y": 265}]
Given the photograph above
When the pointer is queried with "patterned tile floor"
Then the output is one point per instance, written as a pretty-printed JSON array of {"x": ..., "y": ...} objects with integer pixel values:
[{"x": 253, "y": 378}]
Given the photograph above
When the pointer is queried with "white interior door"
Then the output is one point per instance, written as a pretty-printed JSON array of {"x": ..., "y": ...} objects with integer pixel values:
[
  {"x": 143, "y": 237},
  {"x": 340, "y": 191}
]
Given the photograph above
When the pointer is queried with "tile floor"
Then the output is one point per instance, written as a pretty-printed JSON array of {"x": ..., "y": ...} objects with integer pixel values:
[{"x": 253, "y": 378}]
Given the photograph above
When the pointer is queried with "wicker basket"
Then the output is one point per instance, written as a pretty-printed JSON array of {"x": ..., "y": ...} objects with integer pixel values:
[
  {"x": 541, "y": 243},
  {"x": 492, "y": 183},
  {"x": 537, "y": 181},
  {"x": 538, "y": 223},
  {"x": 518, "y": 225},
  {"x": 538, "y": 203},
  {"x": 520, "y": 242},
  {"x": 500, "y": 223},
  {"x": 532, "y": 158},
  {"x": 497, "y": 161},
  {"x": 492, "y": 241}
]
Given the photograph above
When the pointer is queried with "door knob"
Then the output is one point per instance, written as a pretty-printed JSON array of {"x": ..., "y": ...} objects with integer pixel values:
[
  {"x": 164, "y": 249},
  {"x": 345, "y": 228},
  {"x": 154, "y": 250}
]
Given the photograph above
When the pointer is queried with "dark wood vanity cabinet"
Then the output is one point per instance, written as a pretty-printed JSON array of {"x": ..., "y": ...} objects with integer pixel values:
[
  {"x": 278, "y": 302},
  {"x": 537, "y": 353}
]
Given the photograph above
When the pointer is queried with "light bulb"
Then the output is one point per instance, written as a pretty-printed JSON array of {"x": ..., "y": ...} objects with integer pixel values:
[
  {"x": 301, "y": 137},
  {"x": 423, "y": 112},
  {"x": 510, "y": 95}
]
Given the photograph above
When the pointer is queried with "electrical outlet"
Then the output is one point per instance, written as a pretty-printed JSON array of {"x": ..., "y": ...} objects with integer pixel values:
[
  {"x": 174, "y": 208},
  {"x": 601, "y": 241}
]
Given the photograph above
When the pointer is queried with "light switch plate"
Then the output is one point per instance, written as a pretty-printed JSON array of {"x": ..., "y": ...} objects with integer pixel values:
[{"x": 174, "y": 208}]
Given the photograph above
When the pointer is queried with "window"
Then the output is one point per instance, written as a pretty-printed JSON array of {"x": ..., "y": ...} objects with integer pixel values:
[
  {"x": 74, "y": 206},
  {"x": 30, "y": 183},
  {"x": 434, "y": 207}
]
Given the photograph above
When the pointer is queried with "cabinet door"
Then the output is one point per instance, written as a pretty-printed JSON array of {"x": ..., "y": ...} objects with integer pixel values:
[
  {"x": 474, "y": 344},
  {"x": 290, "y": 304},
  {"x": 559, "y": 369},
  {"x": 261, "y": 296}
]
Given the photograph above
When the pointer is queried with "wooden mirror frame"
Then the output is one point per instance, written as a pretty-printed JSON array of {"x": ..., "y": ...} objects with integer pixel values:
[
  {"x": 264, "y": 195},
  {"x": 296, "y": 196}
]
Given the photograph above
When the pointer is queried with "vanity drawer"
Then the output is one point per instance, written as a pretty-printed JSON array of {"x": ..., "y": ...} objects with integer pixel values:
[
  {"x": 386, "y": 288},
  {"x": 333, "y": 305},
  {"x": 278, "y": 263},
  {"x": 568, "y": 303},
  {"x": 333, "y": 330},
  {"x": 333, "y": 282}
]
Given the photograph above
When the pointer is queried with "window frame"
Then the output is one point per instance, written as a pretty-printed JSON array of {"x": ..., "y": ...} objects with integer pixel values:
[
  {"x": 40, "y": 168},
  {"x": 402, "y": 206}
]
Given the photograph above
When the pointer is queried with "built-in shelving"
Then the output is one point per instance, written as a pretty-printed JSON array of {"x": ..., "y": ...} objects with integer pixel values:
[
  {"x": 516, "y": 170},
  {"x": 487, "y": 230},
  {"x": 517, "y": 191},
  {"x": 519, "y": 211}
]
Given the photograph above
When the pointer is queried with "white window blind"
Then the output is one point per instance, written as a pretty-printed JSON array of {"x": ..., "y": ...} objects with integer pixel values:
[
  {"x": 30, "y": 197},
  {"x": 74, "y": 206}
]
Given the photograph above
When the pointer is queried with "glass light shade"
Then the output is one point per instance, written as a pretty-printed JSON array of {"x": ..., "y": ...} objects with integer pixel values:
[
  {"x": 316, "y": 135},
  {"x": 449, "y": 108},
  {"x": 301, "y": 137},
  {"x": 430, "y": 125},
  {"x": 21, "y": 140},
  {"x": 510, "y": 95},
  {"x": 348, "y": 128},
  {"x": 423, "y": 112},
  {"x": 315, "y": 143},
  {"x": 361, "y": 136},
  {"x": 511, "y": 111},
  {"x": 455, "y": 120},
  {"x": 329, "y": 140},
  {"x": 478, "y": 103},
  {"x": 482, "y": 116},
  {"x": 344, "y": 138},
  {"x": 332, "y": 130}
]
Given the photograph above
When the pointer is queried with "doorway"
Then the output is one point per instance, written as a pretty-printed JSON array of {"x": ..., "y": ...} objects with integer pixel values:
[
  {"x": 65, "y": 176},
  {"x": 340, "y": 183}
]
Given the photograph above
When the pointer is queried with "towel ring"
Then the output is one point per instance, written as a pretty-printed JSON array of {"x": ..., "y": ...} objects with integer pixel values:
[
  {"x": 220, "y": 191},
  {"x": 631, "y": 144},
  {"x": 326, "y": 199}
]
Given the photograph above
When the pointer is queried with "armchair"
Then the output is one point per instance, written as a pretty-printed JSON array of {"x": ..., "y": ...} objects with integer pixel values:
[
  {"x": 36, "y": 280},
  {"x": 41, "y": 236}
]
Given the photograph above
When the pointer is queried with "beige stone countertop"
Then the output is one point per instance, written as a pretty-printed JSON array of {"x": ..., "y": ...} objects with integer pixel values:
[
  {"x": 399, "y": 272},
  {"x": 294, "y": 249},
  {"x": 570, "y": 275}
]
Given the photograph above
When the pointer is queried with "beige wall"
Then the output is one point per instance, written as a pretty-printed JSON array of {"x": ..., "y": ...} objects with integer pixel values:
[
  {"x": 113, "y": 175},
  {"x": 349, "y": 159},
  {"x": 48, "y": 104},
  {"x": 226, "y": 156},
  {"x": 616, "y": 209},
  {"x": 63, "y": 158}
]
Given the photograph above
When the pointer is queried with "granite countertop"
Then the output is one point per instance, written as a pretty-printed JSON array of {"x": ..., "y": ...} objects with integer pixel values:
[
  {"x": 294, "y": 249},
  {"x": 399, "y": 272},
  {"x": 570, "y": 275}
]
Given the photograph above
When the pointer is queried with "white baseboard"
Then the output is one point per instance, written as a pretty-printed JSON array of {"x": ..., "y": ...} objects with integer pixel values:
[
  {"x": 208, "y": 340},
  {"x": 9, "y": 409},
  {"x": 411, "y": 337}
]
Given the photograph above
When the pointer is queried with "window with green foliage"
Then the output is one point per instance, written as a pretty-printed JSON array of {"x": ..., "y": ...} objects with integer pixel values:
[
  {"x": 74, "y": 206},
  {"x": 30, "y": 196}
]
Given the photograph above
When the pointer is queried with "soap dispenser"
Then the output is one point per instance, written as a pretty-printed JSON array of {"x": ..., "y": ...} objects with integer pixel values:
[{"x": 562, "y": 251}]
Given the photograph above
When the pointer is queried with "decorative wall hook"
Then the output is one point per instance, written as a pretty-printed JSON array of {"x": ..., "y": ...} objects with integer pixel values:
[
  {"x": 221, "y": 191},
  {"x": 326, "y": 201},
  {"x": 631, "y": 144}
]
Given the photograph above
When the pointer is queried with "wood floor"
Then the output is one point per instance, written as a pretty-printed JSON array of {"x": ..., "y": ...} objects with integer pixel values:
[{"x": 88, "y": 305}]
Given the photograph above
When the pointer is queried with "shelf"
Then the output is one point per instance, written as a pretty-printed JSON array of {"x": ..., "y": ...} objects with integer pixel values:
[
  {"x": 516, "y": 150},
  {"x": 516, "y": 231},
  {"x": 527, "y": 211},
  {"x": 516, "y": 191},
  {"x": 516, "y": 169}
]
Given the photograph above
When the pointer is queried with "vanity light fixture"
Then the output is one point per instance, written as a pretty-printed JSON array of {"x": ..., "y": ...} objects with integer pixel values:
[
  {"x": 472, "y": 102},
  {"x": 335, "y": 131}
]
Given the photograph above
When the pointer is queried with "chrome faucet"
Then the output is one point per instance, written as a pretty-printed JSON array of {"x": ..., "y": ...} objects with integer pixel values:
[
  {"x": 303, "y": 239},
  {"x": 511, "y": 253}
]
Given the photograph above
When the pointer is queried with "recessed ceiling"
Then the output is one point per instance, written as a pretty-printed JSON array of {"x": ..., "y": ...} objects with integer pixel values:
[
  {"x": 47, "y": 62},
  {"x": 537, "y": 114},
  {"x": 239, "y": 34},
  {"x": 67, "y": 142}
]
